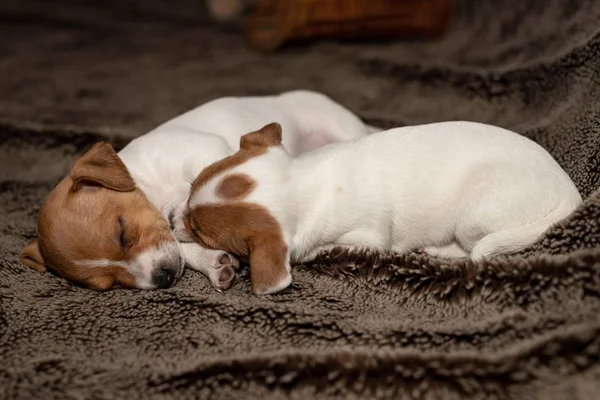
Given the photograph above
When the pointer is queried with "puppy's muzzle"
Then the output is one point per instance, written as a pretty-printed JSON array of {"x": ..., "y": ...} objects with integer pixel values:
[{"x": 166, "y": 275}]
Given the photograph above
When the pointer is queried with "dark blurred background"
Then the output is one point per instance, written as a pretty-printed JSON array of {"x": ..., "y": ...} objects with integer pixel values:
[{"x": 125, "y": 66}]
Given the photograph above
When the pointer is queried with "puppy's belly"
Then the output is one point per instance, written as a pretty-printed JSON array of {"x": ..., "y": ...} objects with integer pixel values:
[
  {"x": 364, "y": 238},
  {"x": 354, "y": 240}
]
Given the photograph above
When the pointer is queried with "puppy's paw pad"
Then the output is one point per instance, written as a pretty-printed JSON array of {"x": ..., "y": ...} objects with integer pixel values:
[
  {"x": 223, "y": 279},
  {"x": 227, "y": 260}
]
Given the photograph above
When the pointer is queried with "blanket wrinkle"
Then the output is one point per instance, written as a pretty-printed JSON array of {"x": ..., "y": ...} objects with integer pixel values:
[{"x": 354, "y": 325}]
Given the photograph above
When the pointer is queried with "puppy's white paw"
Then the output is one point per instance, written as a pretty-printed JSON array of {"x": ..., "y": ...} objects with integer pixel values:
[
  {"x": 224, "y": 271},
  {"x": 218, "y": 266}
]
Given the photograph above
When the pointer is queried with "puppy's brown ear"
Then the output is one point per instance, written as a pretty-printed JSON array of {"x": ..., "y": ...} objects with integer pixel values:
[
  {"x": 269, "y": 135},
  {"x": 32, "y": 257},
  {"x": 101, "y": 166},
  {"x": 269, "y": 265}
]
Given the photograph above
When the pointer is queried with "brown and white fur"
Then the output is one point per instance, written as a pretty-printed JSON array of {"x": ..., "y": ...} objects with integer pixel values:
[
  {"x": 454, "y": 189},
  {"x": 114, "y": 220}
]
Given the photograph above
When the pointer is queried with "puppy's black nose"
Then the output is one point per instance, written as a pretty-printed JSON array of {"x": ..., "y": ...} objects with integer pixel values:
[{"x": 165, "y": 277}]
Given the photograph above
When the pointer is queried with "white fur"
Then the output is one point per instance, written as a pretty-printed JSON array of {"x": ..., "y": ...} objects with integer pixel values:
[
  {"x": 165, "y": 161},
  {"x": 453, "y": 188}
]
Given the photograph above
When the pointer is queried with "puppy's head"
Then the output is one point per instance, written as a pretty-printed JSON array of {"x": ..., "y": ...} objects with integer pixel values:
[
  {"x": 230, "y": 208},
  {"x": 96, "y": 228}
]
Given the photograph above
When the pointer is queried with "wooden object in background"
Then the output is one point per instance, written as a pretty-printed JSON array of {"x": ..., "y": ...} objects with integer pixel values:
[{"x": 274, "y": 22}]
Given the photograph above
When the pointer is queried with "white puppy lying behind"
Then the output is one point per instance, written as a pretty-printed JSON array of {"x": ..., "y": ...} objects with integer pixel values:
[
  {"x": 455, "y": 189},
  {"x": 103, "y": 225}
]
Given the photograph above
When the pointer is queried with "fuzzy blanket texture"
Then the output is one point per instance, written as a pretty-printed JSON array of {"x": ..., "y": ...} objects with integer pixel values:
[{"x": 353, "y": 326}]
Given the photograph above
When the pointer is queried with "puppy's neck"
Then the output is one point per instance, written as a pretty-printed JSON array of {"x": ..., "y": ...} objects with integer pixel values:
[
  {"x": 317, "y": 179},
  {"x": 312, "y": 174}
]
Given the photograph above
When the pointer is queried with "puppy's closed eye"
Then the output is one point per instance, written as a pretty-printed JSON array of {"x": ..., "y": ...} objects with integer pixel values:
[
  {"x": 171, "y": 219},
  {"x": 124, "y": 241}
]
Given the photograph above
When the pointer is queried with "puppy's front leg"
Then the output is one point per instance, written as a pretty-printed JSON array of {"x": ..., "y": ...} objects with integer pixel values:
[
  {"x": 217, "y": 265},
  {"x": 269, "y": 265}
]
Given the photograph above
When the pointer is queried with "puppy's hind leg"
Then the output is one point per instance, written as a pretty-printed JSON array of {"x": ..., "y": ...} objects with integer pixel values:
[{"x": 511, "y": 240}]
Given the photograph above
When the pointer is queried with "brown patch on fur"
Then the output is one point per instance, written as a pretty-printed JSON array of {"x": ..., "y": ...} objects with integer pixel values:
[
  {"x": 246, "y": 230},
  {"x": 82, "y": 225},
  {"x": 225, "y": 164},
  {"x": 252, "y": 145},
  {"x": 235, "y": 187}
]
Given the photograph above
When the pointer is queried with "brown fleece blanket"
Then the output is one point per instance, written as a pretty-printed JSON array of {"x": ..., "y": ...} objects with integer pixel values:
[{"x": 353, "y": 325}]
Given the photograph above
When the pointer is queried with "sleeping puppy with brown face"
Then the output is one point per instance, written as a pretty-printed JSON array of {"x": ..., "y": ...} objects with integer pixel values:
[{"x": 452, "y": 189}]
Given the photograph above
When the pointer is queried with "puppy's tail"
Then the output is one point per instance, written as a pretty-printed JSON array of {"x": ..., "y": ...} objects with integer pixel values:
[{"x": 515, "y": 239}]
